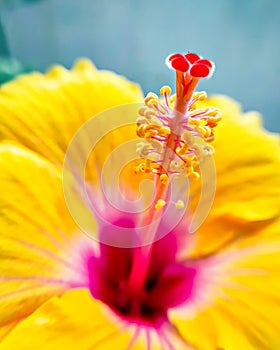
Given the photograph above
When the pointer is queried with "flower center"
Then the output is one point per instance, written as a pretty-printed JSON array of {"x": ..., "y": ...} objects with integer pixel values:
[
  {"x": 167, "y": 284},
  {"x": 141, "y": 284}
]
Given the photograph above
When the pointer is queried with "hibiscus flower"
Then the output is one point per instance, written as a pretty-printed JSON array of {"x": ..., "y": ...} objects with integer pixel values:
[{"x": 89, "y": 262}]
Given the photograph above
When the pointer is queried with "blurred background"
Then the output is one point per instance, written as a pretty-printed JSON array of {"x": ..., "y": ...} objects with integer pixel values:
[{"x": 133, "y": 38}]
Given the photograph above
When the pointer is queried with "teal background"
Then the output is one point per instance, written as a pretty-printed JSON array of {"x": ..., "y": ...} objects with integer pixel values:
[{"x": 133, "y": 38}]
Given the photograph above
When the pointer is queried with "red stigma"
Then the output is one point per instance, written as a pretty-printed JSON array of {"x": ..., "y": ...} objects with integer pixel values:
[
  {"x": 192, "y": 57},
  {"x": 206, "y": 62},
  {"x": 179, "y": 62},
  {"x": 191, "y": 64},
  {"x": 199, "y": 71}
]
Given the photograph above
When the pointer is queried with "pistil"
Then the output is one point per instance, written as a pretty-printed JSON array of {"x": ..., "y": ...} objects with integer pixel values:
[{"x": 169, "y": 128}]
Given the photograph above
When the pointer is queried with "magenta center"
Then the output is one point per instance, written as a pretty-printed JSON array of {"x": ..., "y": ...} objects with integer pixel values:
[{"x": 168, "y": 283}]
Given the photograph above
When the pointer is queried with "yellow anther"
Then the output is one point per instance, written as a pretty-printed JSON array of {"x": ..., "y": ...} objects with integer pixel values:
[
  {"x": 160, "y": 204},
  {"x": 143, "y": 168},
  {"x": 152, "y": 102},
  {"x": 172, "y": 98},
  {"x": 149, "y": 113},
  {"x": 211, "y": 138},
  {"x": 189, "y": 170},
  {"x": 141, "y": 110},
  {"x": 156, "y": 121},
  {"x": 192, "y": 107},
  {"x": 164, "y": 179},
  {"x": 165, "y": 90},
  {"x": 205, "y": 131},
  {"x": 152, "y": 127},
  {"x": 200, "y": 95},
  {"x": 195, "y": 175},
  {"x": 150, "y": 96},
  {"x": 208, "y": 131},
  {"x": 196, "y": 94},
  {"x": 136, "y": 170},
  {"x": 188, "y": 161},
  {"x": 181, "y": 151},
  {"x": 149, "y": 134},
  {"x": 164, "y": 131},
  {"x": 140, "y": 131},
  {"x": 141, "y": 120},
  {"x": 180, "y": 204},
  {"x": 195, "y": 121},
  {"x": 213, "y": 112},
  {"x": 215, "y": 119}
]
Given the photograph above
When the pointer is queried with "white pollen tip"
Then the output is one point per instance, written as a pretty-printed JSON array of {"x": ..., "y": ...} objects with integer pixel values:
[
  {"x": 212, "y": 70},
  {"x": 168, "y": 62}
]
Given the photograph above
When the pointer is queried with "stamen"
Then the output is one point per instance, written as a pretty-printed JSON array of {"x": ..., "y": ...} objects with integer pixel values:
[
  {"x": 171, "y": 136},
  {"x": 166, "y": 92},
  {"x": 200, "y": 95},
  {"x": 160, "y": 204},
  {"x": 164, "y": 179},
  {"x": 173, "y": 128}
]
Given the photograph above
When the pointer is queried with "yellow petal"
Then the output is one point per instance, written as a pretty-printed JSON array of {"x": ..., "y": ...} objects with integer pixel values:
[
  {"x": 239, "y": 303},
  {"x": 75, "y": 321},
  {"x": 247, "y": 195},
  {"x": 40, "y": 243},
  {"x": 44, "y": 111}
]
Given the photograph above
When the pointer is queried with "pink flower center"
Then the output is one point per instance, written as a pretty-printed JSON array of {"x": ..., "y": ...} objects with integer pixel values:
[{"x": 168, "y": 283}]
